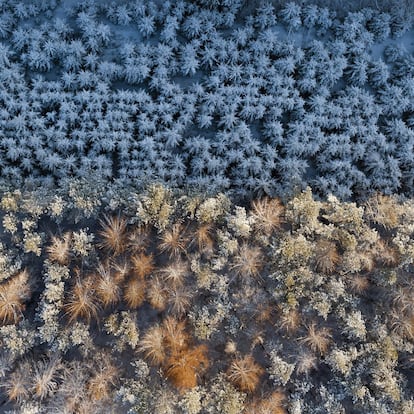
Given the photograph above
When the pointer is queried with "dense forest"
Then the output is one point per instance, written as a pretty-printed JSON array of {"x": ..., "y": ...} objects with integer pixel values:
[{"x": 206, "y": 207}]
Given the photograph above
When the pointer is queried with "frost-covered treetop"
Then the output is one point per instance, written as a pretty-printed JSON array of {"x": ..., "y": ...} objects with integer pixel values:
[{"x": 208, "y": 94}]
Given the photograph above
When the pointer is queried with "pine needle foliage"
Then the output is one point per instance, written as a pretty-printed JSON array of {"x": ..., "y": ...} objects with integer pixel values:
[
  {"x": 318, "y": 340},
  {"x": 59, "y": 249},
  {"x": 268, "y": 214},
  {"x": 174, "y": 240},
  {"x": 13, "y": 294},
  {"x": 113, "y": 234},
  {"x": 245, "y": 373},
  {"x": 82, "y": 301},
  {"x": 182, "y": 367},
  {"x": 248, "y": 261}
]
